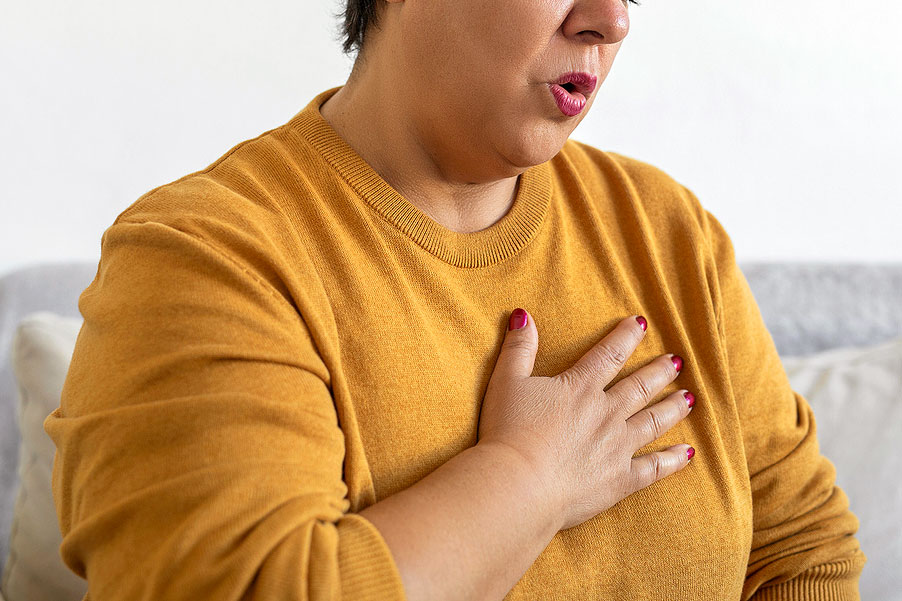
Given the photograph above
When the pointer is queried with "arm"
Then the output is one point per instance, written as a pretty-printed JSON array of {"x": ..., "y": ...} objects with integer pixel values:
[
  {"x": 199, "y": 454},
  {"x": 803, "y": 545},
  {"x": 468, "y": 530}
]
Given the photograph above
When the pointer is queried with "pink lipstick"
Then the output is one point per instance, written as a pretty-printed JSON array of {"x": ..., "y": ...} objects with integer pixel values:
[{"x": 571, "y": 90}]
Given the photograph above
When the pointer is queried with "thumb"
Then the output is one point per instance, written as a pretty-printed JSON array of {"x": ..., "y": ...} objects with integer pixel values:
[{"x": 518, "y": 352}]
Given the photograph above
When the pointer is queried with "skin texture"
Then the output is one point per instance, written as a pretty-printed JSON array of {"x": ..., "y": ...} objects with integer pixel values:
[{"x": 449, "y": 100}]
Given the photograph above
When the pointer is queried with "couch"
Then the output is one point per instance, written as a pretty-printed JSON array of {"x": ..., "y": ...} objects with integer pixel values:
[{"x": 837, "y": 327}]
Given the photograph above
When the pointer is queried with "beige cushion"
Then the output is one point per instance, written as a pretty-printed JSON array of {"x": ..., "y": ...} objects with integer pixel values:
[
  {"x": 856, "y": 395},
  {"x": 34, "y": 571}
]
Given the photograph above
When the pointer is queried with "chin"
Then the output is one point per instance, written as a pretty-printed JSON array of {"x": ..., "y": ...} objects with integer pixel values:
[{"x": 535, "y": 145}]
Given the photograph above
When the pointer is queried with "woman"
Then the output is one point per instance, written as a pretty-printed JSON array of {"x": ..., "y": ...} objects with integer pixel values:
[{"x": 300, "y": 376}]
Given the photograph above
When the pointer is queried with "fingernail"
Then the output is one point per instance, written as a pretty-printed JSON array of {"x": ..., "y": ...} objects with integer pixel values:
[
  {"x": 517, "y": 320},
  {"x": 642, "y": 322},
  {"x": 689, "y": 398},
  {"x": 677, "y": 362},
  {"x": 690, "y": 452}
]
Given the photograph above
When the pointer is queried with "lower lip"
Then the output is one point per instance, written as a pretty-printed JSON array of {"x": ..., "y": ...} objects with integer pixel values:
[{"x": 570, "y": 103}]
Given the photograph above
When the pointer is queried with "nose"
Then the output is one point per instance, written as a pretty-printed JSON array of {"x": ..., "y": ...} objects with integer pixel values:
[{"x": 597, "y": 21}]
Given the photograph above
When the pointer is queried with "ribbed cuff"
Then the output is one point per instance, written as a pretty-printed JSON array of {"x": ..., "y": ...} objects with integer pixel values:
[
  {"x": 368, "y": 570},
  {"x": 829, "y": 582}
]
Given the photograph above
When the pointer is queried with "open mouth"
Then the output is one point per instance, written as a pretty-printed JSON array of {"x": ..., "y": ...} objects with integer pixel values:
[
  {"x": 572, "y": 90},
  {"x": 568, "y": 99},
  {"x": 578, "y": 83}
]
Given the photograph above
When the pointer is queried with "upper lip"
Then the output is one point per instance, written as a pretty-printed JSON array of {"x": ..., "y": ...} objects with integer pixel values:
[{"x": 582, "y": 81}]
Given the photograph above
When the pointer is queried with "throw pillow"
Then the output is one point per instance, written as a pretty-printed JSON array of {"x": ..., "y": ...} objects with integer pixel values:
[
  {"x": 856, "y": 395},
  {"x": 34, "y": 571}
]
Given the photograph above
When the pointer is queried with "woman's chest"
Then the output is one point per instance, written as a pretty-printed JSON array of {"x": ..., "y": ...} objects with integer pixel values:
[
  {"x": 418, "y": 398},
  {"x": 415, "y": 366}
]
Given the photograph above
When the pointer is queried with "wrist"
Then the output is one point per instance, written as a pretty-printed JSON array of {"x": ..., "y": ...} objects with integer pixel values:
[{"x": 537, "y": 488}]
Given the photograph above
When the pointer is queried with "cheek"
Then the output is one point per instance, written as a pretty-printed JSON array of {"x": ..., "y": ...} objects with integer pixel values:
[
  {"x": 483, "y": 43},
  {"x": 480, "y": 71}
]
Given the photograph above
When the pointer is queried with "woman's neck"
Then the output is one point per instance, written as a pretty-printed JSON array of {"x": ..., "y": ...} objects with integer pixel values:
[{"x": 376, "y": 125}]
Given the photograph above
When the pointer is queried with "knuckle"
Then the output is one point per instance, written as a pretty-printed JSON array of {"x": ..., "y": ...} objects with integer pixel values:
[
  {"x": 657, "y": 423},
  {"x": 612, "y": 354},
  {"x": 658, "y": 467},
  {"x": 518, "y": 344},
  {"x": 651, "y": 471},
  {"x": 641, "y": 386},
  {"x": 575, "y": 379},
  {"x": 654, "y": 423},
  {"x": 566, "y": 380}
]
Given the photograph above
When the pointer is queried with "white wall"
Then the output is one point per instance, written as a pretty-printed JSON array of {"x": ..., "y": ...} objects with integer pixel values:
[{"x": 782, "y": 117}]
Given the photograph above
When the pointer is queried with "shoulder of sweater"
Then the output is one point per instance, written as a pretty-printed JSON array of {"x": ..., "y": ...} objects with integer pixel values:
[
  {"x": 242, "y": 184},
  {"x": 648, "y": 185},
  {"x": 237, "y": 206}
]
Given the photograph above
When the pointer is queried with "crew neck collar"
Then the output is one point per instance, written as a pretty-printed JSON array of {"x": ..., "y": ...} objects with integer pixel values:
[{"x": 499, "y": 241}]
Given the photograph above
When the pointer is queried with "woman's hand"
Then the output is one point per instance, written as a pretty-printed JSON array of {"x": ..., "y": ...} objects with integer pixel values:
[{"x": 577, "y": 437}]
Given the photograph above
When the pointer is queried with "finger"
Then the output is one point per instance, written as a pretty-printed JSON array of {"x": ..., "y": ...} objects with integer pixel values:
[
  {"x": 652, "y": 422},
  {"x": 651, "y": 467},
  {"x": 518, "y": 350},
  {"x": 599, "y": 365},
  {"x": 632, "y": 393}
]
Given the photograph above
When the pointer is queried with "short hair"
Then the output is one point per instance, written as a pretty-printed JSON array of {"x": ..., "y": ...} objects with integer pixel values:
[{"x": 358, "y": 16}]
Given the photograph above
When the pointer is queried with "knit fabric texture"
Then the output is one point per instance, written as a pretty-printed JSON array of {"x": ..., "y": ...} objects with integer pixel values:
[{"x": 280, "y": 340}]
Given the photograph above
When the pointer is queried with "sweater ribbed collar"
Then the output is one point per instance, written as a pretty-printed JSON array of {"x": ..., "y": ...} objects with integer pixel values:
[{"x": 476, "y": 249}]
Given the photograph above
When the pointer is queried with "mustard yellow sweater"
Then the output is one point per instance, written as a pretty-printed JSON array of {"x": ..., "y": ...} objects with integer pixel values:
[{"x": 280, "y": 340}]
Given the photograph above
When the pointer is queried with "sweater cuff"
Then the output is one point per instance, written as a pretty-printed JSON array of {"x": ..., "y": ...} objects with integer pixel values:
[
  {"x": 836, "y": 581},
  {"x": 367, "y": 567}
]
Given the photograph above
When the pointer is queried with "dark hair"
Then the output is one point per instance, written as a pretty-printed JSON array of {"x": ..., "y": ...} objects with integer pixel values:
[{"x": 358, "y": 15}]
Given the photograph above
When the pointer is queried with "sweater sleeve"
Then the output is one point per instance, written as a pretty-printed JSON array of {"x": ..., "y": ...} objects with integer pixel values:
[
  {"x": 198, "y": 449},
  {"x": 802, "y": 544}
]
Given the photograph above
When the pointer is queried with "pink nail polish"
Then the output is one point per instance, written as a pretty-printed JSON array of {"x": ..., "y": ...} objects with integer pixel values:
[
  {"x": 690, "y": 452},
  {"x": 690, "y": 399},
  {"x": 517, "y": 319}
]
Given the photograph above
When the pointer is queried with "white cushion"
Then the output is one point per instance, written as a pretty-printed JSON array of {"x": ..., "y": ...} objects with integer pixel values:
[
  {"x": 34, "y": 570},
  {"x": 856, "y": 395}
]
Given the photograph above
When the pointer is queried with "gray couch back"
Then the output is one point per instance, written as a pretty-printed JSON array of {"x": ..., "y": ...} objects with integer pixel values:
[{"x": 808, "y": 307}]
